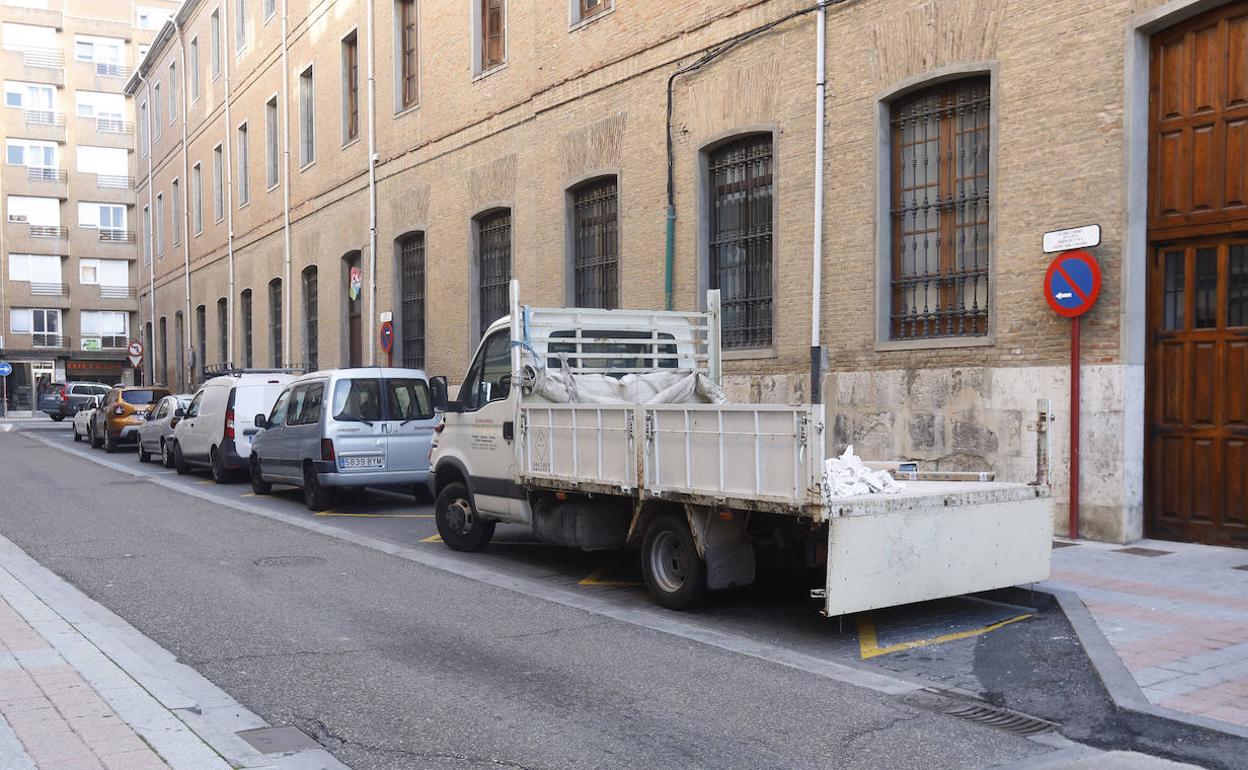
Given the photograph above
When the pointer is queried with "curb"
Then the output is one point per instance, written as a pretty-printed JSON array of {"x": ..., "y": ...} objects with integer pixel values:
[{"x": 1119, "y": 683}]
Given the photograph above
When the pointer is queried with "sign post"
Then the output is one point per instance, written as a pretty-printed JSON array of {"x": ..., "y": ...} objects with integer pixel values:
[
  {"x": 5, "y": 370},
  {"x": 385, "y": 336},
  {"x": 1071, "y": 287}
]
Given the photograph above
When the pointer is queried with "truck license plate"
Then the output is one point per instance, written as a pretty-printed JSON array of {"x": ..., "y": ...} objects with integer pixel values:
[{"x": 359, "y": 462}]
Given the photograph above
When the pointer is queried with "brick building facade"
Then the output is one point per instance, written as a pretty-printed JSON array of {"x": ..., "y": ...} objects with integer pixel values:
[{"x": 530, "y": 139}]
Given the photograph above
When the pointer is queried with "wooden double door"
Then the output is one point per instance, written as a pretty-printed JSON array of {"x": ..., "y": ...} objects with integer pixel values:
[{"x": 1196, "y": 452}]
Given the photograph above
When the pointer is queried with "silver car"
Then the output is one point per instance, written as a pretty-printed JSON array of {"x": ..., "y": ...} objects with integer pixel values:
[
  {"x": 156, "y": 435},
  {"x": 346, "y": 428}
]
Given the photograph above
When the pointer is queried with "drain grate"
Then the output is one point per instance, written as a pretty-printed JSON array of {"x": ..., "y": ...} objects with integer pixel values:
[
  {"x": 1063, "y": 544},
  {"x": 278, "y": 740},
  {"x": 287, "y": 561},
  {"x": 1135, "y": 550},
  {"x": 1003, "y": 719}
]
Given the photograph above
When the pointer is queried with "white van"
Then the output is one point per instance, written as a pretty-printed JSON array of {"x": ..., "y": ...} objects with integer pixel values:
[{"x": 217, "y": 428}]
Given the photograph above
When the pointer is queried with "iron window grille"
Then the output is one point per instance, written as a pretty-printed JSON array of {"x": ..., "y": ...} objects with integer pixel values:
[
  {"x": 309, "y": 318},
  {"x": 741, "y": 239},
  {"x": 493, "y": 266},
  {"x": 596, "y": 244},
  {"x": 412, "y": 318},
  {"x": 940, "y": 181},
  {"x": 275, "y": 320}
]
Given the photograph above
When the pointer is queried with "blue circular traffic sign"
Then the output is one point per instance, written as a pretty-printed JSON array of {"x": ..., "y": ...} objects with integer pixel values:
[
  {"x": 1072, "y": 283},
  {"x": 385, "y": 335},
  {"x": 5, "y": 368}
]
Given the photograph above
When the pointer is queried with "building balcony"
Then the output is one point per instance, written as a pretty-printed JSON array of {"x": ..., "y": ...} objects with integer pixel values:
[
  {"x": 34, "y": 65},
  {"x": 28, "y": 294},
  {"x": 108, "y": 243},
  {"x": 104, "y": 132},
  {"x": 52, "y": 16},
  {"x": 35, "y": 180},
  {"x": 43, "y": 125},
  {"x": 102, "y": 188},
  {"x": 117, "y": 292},
  {"x": 45, "y": 239},
  {"x": 100, "y": 76}
]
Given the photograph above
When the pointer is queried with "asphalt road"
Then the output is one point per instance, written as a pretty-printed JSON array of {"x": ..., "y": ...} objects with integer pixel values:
[{"x": 392, "y": 664}]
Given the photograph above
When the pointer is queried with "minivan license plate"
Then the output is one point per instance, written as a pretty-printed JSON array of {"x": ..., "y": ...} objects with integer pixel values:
[{"x": 359, "y": 462}]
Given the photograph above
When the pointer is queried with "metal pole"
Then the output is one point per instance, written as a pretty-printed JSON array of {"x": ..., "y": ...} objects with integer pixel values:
[
  {"x": 1074, "y": 429},
  {"x": 287, "y": 311},
  {"x": 370, "y": 318},
  {"x": 816, "y": 281}
]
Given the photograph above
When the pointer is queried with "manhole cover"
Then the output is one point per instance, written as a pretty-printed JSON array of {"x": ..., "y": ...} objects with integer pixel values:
[
  {"x": 288, "y": 561},
  {"x": 278, "y": 740},
  {"x": 1135, "y": 550},
  {"x": 1004, "y": 719}
]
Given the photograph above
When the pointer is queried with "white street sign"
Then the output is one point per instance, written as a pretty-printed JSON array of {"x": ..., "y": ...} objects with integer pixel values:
[{"x": 1074, "y": 238}]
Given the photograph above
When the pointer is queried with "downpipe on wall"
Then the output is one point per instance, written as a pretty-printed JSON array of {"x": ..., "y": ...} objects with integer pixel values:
[
  {"x": 369, "y": 317},
  {"x": 229, "y": 191},
  {"x": 816, "y": 267},
  {"x": 150, "y": 256},
  {"x": 186, "y": 230},
  {"x": 286, "y": 284}
]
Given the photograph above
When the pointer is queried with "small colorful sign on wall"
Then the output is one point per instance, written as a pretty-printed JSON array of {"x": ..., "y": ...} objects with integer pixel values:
[
  {"x": 354, "y": 281},
  {"x": 1072, "y": 283}
]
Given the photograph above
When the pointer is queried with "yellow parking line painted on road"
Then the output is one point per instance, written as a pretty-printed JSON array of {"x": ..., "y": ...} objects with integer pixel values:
[
  {"x": 205, "y": 481},
  {"x": 869, "y": 647},
  {"x": 596, "y": 578},
  {"x": 432, "y": 539},
  {"x": 379, "y": 515}
]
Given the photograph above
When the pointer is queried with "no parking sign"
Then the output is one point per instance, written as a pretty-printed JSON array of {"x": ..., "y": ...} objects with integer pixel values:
[{"x": 1073, "y": 283}]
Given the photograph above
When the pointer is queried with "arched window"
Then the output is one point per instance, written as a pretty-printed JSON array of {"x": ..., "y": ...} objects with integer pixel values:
[
  {"x": 596, "y": 244},
  {"x": 940, "y": 246},
  {"x": 740, "y": 249},
  {"x": 493, "y": 266},
  {"x": 244, "y": 309},
  {"x": 275, "y": 321},
  {"x": 412, "y": 299}
]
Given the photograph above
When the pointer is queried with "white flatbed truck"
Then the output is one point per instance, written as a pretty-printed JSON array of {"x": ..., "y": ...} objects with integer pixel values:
[{"x": 708, "y": 491}]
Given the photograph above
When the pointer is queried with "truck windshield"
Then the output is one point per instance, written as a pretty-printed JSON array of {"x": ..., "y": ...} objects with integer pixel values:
[{"x": 357, "y": 401}]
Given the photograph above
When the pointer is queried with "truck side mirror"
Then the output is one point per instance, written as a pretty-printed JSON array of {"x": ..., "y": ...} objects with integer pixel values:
[
  {"x": 438, "y": 394},
  {"x": 261, "y": 421}
]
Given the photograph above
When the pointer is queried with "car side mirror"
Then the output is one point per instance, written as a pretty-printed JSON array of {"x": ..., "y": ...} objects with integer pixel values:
[
  {"x": 438, "y": 395},
  {"x": 179, "y": 412},
  {"x": 261, "y": 421}
]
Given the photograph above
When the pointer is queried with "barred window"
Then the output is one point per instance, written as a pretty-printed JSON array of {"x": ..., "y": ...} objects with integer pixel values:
[
  {"x": 244, "y": 308},
  {"x": 493, "y": 265},
  {"x": 596, "y": 244},
  {"x": 940, "y": 211},
  {"x": 275, "y": 320},
  {"x": 741, "y": 192},
  {"x": 223, "y": 329},
  {"x": 201, "y": 337},
  {"x": 412, "y": 288},
  {"x": 311, "y": 340}
]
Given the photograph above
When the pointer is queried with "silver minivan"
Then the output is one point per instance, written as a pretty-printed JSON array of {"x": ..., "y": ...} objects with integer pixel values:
[{"x": 346, "y": 428}]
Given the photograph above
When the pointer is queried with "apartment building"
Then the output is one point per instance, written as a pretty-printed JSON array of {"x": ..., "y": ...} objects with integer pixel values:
[
  {"x": 67, "y": 248},
  {"x": 309, "y": 171}
]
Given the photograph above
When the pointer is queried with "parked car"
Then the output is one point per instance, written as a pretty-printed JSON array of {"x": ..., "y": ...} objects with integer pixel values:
[
  {"x": 346, "y": 428},
  {"x": 121, "y": 414},
  {"x": 216, "y": 430},
  {"x": 85, "y": 416},
  {"x": 62, "y": 399},
  {"x": 156, "y": 432}
]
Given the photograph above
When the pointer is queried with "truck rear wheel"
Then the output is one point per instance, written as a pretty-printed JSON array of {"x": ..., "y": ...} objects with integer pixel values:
[
  {"x": 458, "y": 523},
  {"x": 674, "y": 573}
]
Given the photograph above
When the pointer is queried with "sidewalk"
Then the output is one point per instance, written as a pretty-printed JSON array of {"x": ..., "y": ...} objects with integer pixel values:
[
  {"x": 81, "y": 689},
  {"x": 1176, "y": 614}
]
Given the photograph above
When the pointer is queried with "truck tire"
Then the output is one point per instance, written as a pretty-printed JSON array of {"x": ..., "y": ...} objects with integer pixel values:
[
  {"x": 458, "y": 523},
  {"x": 179, "y": 461},
  {"x": 674, "y": 573}
]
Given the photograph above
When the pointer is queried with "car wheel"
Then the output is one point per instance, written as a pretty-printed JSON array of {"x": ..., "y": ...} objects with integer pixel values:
[
  {"x": 166, "y": 454},
  {"x": 258, "y": 484},
  {"x": 458, "y": 523},
  {"x": 144, "y": 455},
  {"x": 317, "y": 496},
  {"x": 57, "y": 417},
  {"x": 110, "y": 443},
  {"x": 674, "y": 573},
  {"x": 422, "y": 493},
  {"x": 179, "y": 462},
  {"x": 76, "y": 436},
  {"x": 95, "y": 442},
  {"x": 219, "y": 472}
]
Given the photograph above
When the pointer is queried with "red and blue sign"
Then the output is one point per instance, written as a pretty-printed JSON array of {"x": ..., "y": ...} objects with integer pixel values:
[
  {"x": 1073, "y": 283},
  {"x": 385, "y": 336}
]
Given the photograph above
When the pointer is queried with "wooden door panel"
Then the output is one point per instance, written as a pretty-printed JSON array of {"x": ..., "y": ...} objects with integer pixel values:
[
  {"x": 1234, "y": 395},
  {"x": 1206, "y": 72},
  {"x": 1170, "y": 383},
  {"x": 1204, "y": 369},
  {"x": 1236, "y": 76},
  {"x": 1203, "y": 172},
  {"x": 1235, "y": 484},
  {"x": 1202, "y": 485},
  {"x": 1172, "y": 180},
  {"x": 1171, "y": 78},
  {"x": 1173, "y": 473},
  {"x": 1235, "y": 180}
]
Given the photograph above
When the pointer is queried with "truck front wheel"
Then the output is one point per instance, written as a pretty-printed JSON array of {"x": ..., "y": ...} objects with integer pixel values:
[
  {"x": 458, "y": 523},
  {"x": 674, "y": 573}
]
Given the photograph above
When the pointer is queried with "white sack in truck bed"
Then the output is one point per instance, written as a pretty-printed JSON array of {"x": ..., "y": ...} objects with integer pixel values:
[{"x": 675, "y": 386}]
